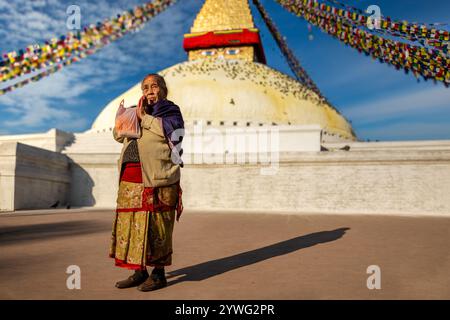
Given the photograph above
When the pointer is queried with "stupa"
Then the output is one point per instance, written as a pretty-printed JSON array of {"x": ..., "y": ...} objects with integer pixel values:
[
  {"x": 230, "y": 98},
  {"x": 226, "y": 81}
]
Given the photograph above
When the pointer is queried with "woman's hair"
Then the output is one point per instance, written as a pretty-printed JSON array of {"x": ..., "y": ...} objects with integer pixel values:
[{"x": 161, "y": 83}]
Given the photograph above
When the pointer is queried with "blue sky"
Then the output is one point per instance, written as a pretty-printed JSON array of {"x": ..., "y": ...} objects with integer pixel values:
[{"x": 381, "y": 102}]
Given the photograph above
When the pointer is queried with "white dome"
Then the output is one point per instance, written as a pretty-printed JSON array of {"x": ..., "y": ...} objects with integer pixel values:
[{"x": 236, "y": 93}]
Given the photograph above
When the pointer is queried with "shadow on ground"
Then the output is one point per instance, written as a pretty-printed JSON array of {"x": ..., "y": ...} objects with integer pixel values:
[
  {"x": 47, "y": 231},
  {"x": 213, "y": 268}
]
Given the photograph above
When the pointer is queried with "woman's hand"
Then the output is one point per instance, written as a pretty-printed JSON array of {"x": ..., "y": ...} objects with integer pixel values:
[{"x": 140, "y": 111}]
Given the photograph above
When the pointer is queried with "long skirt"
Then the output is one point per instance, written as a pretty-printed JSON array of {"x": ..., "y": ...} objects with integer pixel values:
[{"x": 143, "y": 226}]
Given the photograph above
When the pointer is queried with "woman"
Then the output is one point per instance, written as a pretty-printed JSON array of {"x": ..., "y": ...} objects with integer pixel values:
[{"x": 149, "y": 197}]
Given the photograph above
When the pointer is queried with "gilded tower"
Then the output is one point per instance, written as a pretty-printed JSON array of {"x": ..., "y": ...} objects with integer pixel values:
[{"x": 224, "y": 29}]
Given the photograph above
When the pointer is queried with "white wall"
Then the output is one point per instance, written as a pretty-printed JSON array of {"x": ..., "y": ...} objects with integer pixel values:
[
  {"x": 53, "y": 140},
  {"x": 395, "y": 177},
  {"x": 7, "y": 173},
  {"x": 363, "y": 181},
  {"x": 31, "y": 177},
  {"x": 407, "y": 182}
]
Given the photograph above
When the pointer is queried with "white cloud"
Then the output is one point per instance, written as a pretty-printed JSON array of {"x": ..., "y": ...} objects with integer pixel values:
[
  {"x": 51, "y": 101},
  {"x": 426, "y": 101}
]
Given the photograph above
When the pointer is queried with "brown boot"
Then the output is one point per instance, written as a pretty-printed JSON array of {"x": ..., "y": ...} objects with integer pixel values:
[
  {"x": 154, "y": 282},
  {"x": 134, "y": 280}
]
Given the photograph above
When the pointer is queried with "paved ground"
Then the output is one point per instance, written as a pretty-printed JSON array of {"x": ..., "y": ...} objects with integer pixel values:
[{"x": 225, "y": 255}]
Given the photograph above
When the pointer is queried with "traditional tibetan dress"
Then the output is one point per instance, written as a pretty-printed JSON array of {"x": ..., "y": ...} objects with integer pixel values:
[{"x": 145, "y": 217}]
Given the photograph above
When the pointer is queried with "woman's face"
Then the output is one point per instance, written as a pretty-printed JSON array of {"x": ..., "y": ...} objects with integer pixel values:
[{"x": 151, "y": 90}]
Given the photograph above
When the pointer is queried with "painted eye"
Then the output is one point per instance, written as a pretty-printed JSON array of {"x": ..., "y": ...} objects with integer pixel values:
[
  {"x": 232, "y": 51},
  {"x": 208, "y": 53}
]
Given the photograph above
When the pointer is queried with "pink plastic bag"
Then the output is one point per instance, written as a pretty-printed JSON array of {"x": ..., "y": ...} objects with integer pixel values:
[{"x": 127, "y": 122}]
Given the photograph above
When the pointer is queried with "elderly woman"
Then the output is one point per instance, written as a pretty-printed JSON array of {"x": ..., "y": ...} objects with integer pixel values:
[{"x": 149, "y": 197}]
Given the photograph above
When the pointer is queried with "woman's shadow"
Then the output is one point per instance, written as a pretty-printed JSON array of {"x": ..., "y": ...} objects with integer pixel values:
[{"x": 212, "y": 268}]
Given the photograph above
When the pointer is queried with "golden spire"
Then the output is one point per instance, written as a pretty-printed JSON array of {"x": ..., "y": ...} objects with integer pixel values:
[
  {"x": 224, "y": 29},
  {"x": 219, "y": 15}
]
